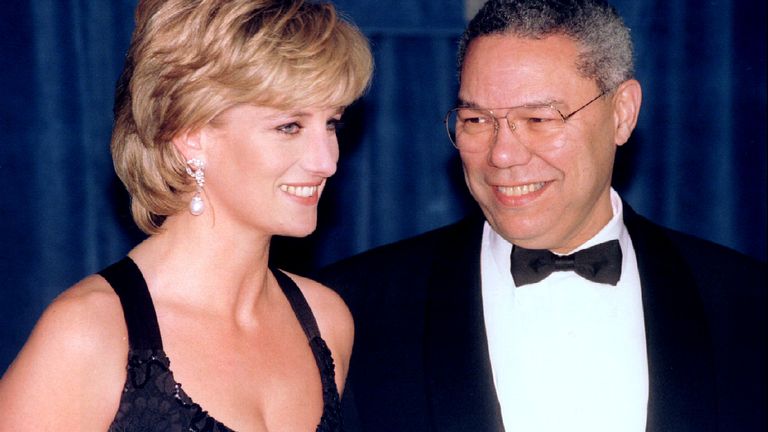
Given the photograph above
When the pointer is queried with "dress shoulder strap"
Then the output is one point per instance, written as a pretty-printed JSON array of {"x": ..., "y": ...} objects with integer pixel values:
[
  {"x": 139, "y": 311},
  {"x": 298, "y": 304},
  {"x": 331, "y": 419}
]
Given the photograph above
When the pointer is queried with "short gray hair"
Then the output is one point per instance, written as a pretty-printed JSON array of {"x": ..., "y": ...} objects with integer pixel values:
[{"x": 595, "y": 25}]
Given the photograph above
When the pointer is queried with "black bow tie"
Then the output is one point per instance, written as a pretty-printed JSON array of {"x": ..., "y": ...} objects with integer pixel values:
[{"x": 600, "y": 263}]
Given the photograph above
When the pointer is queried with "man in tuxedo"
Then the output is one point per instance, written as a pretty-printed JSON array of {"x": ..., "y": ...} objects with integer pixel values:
[{"x": 556, "y": 307}]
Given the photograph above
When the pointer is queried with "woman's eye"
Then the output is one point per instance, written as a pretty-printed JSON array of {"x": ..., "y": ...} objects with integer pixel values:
[
  {"x": 334, "y": 124},
  {"x": 290, "y": 128}
]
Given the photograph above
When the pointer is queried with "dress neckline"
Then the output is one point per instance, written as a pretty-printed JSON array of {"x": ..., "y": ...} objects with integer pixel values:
[{"x": 148, "y": 360}]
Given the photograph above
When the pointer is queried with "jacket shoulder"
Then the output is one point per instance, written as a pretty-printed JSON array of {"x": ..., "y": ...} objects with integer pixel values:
[
  {"x": 699, "y": 254},
  {"x": 404, "y": 258}
]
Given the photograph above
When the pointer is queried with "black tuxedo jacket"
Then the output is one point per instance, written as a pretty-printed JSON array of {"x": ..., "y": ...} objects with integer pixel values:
[{"x": 420, "y": 360}]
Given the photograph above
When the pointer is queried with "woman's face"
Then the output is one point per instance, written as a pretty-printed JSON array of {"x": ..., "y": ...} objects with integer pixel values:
[{"x": 266, "y": 168}]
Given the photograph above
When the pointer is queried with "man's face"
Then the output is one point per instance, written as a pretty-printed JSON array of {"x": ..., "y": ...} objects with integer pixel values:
[{"x": 541, "y": 196}]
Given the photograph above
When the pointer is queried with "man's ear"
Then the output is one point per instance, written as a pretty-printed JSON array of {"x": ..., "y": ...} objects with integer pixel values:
[
  {"x": 189, "y": 144},
  {"x": 626, "y": 108}
]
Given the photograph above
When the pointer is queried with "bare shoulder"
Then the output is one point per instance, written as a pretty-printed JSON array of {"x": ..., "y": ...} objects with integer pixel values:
[
  {"x": 90, "y": 301},
  {"x": 73, "y": 363},
  {"x": 333, "y": 318},
  {"x": 85, "y": 319}
]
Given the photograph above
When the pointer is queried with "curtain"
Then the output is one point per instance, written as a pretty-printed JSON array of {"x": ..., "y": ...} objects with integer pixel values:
[
  {"x": 63, "y": 213},
  {"x": 697, "y": 161}
]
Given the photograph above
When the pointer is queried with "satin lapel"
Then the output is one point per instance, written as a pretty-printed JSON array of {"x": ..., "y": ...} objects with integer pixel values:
[
  {"x": 459, "y": 378},
  {"x": 681, "y": 375}
]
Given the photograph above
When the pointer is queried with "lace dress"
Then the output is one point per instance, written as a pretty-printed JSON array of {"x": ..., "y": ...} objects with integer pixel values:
[{"x": 152, "y": 400}]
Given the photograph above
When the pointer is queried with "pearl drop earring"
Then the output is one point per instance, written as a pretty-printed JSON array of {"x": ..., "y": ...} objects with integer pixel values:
[{"x": 196, "y": 169}]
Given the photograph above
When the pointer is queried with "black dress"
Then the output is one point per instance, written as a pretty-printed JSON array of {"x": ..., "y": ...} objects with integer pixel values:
[{"x": 152, "y": 400}]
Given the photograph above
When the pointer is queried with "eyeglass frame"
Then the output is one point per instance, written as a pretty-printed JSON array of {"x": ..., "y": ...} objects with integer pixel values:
[{"x": 497, "y": 120}]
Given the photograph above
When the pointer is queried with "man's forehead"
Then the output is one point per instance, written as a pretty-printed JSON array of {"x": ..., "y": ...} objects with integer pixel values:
[{"x": 530, "y": 71}]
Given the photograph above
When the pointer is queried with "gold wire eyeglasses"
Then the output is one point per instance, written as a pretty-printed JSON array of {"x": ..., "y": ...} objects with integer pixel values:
[{"x": 473, "y": 129}]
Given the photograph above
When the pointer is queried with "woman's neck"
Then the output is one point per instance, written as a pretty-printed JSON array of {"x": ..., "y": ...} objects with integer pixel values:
[{"x": 220, "y": 268}]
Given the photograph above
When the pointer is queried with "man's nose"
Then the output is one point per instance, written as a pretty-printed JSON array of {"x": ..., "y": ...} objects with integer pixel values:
[{"x": 508, "y": 148}]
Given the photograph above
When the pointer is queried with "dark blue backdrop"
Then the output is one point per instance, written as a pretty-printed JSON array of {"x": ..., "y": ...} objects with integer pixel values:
[{"x": 697, "y": 161}]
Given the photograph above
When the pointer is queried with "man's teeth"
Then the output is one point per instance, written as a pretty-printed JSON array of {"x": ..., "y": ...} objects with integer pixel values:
[
  {"x": 520, "y": 190},
  {"x": 300, "y": 191}
]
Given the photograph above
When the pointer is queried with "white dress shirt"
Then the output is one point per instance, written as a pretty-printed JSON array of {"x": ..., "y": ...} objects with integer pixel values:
[{"x": 567, "y": 354}]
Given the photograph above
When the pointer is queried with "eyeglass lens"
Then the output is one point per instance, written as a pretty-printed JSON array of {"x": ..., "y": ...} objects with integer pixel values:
[{"x": 472, "y": 129}]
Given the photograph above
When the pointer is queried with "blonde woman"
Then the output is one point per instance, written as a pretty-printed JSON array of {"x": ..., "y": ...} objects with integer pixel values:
[{"x": 224, "y": 136}]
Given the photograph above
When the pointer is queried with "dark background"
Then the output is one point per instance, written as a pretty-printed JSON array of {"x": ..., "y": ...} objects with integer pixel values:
[{"x": 697, "y": 161}]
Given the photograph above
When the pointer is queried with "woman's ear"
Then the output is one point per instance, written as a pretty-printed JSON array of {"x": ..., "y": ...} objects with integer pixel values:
[
  {"x": 626, "y": 108},
  {"x": 189, "y": 144}
]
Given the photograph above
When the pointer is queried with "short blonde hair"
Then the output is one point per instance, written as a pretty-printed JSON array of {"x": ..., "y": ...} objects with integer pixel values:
[{"x": 189, "y": 60}]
